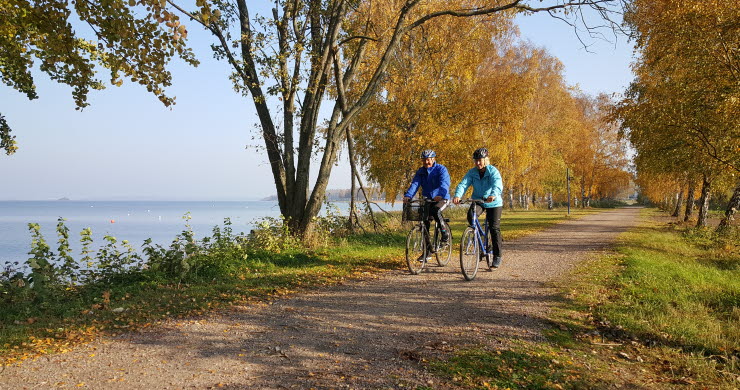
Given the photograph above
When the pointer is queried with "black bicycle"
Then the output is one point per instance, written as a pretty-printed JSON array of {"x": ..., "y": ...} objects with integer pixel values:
[
  {"x": 475, "y": 245},
  {"x": 419, "y": 245}
]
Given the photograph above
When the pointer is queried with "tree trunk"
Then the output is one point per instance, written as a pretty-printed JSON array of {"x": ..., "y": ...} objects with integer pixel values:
[
  {"x": 704, "y": 202},
  {"x": 511, "y": 198},
  {"x": 690, "y": 201},
  {"x": 583, "y": 192},
  {"x": 732, "y": 206},
  {"x": 356, "y": 175},
  {"x": 522, "y": 200},
  {"x": 549, "y": 201},
  {"x": 679, "y": 203}
]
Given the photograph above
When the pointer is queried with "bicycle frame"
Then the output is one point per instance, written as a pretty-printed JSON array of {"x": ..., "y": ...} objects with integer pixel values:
[
  {"x": 481, "y": 233},
  {"x": 432, "y": 245},
  {"x": 425, "y": 216}
]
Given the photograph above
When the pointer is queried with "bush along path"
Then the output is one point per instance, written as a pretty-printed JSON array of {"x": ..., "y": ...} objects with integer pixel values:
[{"x": 375, "y": 333}]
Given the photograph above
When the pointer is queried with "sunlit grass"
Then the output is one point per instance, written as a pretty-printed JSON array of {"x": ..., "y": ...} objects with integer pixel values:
[{"x": 664, "y": 307}]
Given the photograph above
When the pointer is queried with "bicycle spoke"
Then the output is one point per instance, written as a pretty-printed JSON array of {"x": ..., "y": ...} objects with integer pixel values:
[
  {"x": 444, "y": 252},
  {"x": 416, "y": 253},
  {"x": 469, "y": 254}
]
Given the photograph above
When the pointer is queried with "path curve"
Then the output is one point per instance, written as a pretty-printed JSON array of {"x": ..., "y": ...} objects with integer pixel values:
[{"x": 365, "y": 334}]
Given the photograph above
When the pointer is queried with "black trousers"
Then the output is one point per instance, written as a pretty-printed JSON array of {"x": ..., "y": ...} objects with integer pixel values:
[
  {"x": 435, "y": 210},
  {"x": 493, "y": 220}
]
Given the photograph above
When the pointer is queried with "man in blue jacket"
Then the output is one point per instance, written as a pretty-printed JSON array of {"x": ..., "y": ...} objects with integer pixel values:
[
  {"x": 487, "y": 186},
  {"x": 435, "y": 184}
]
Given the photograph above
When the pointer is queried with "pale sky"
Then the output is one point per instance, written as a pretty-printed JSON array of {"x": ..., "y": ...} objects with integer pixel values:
[{"x": 127, "y": 146}]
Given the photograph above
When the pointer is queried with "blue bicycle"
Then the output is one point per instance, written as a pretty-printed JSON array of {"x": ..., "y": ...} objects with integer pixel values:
[{"x": 476, "y": 244}]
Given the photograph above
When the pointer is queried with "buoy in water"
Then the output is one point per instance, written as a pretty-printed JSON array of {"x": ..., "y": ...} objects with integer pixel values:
[{"x": 112, "y": 221}]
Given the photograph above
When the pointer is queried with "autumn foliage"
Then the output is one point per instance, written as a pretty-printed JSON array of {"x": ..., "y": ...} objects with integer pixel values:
[
  {"x": 681, "y": 112},
  {"x": 495, "y": 92}
]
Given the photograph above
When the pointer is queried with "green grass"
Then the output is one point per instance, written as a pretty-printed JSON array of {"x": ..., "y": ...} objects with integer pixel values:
[
  {"x": 517, "y": 368},
  {"x": 663, "y": 310},
  {"x": 29, "y": 328},
  {"x": 672, "y": 291}
]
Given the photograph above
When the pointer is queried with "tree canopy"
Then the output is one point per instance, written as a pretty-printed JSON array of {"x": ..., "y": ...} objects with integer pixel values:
[
  {"x": 132, "y": 39},
  {"x": 502, "y": 94},
  {"x": 681, "y": 112},
  {"x": 292, "y": 62}
]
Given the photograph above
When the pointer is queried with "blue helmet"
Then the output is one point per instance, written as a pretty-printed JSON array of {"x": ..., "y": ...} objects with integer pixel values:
[{"x": 429, "y": 153}]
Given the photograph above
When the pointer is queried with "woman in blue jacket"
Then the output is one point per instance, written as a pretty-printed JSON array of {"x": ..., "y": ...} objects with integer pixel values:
[{"x": 487, "y": 186}]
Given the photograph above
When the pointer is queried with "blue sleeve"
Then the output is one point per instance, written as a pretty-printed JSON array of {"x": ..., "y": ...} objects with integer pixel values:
[
  {"x": 444, "y": 186},
  {"x": 414, "y": 186},
  {"x": 464, "y": 184}
]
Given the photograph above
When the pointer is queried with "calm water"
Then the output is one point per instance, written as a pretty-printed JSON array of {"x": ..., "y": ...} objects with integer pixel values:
[{"x": 132, "y": 221}]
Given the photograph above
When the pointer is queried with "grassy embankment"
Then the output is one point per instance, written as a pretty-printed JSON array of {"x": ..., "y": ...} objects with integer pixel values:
[
  {"x": 32, "y": 325},
  {"x": 661, "y": 311}
]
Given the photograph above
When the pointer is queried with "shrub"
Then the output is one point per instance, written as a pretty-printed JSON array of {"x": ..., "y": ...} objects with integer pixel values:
[{"x": 272, "y": 235}]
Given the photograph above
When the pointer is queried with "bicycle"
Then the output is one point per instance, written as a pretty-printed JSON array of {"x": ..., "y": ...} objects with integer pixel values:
[
  {"x": 472, "y": 247},
  {"x": 418, "y": 243}
]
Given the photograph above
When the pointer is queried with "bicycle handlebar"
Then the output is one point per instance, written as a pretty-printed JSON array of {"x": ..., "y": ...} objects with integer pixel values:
[
  {"x": 474, "y": 201},
  {"x": 424, "y": 200}
]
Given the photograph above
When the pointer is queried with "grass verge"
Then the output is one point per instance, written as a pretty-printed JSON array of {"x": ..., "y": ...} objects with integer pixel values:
[
  {"x": 140, "y": 300},
  {"x": 661, "y": 311}
]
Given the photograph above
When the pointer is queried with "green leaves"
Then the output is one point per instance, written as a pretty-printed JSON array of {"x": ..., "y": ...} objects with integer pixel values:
[
  {"x": 7, "y": 141},
  {"x": 127, "y": 42}
]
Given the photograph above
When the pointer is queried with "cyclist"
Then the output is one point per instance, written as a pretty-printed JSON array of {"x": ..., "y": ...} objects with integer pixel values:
[
  {"x": 435, "y": 184},
  {"x": 487, "y": 186}
]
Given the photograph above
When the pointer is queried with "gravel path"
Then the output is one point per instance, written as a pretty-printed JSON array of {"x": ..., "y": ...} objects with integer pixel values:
[{"x": 365, "y": 334}]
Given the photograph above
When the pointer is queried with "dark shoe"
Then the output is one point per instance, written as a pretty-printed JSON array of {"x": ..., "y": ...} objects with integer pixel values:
[
  {"x": 496, "y": 262},
  {"x": 445, "y": 238}
]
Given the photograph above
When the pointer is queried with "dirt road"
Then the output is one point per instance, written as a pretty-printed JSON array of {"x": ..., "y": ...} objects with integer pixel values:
[{"x": 367, "y": 334}]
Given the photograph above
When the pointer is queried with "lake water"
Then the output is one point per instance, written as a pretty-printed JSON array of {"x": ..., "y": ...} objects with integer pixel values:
[{"x": 134, "y": 221}]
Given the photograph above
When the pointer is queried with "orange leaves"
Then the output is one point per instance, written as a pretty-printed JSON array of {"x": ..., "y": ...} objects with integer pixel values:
[{"x": 681, "y": 111}]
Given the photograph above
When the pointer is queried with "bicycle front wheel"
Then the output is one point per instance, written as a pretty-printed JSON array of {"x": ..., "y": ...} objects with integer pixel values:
[
  {"x": 444, "y": 250},
  {"x": 489, "y": 254},
  {"x": 469, "y": 254},
  {"x": 416, "y": 250}
]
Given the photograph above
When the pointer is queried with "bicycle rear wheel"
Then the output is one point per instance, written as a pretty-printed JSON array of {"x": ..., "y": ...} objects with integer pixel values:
[
  {"x": 416, "y": 250},
  {"x": 469, "y": 254}
]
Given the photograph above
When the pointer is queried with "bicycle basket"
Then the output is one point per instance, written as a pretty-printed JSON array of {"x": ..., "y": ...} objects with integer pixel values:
[{"x": 412, "y": 212}]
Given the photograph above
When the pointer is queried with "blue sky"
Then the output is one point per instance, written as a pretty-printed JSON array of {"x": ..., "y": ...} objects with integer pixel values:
[{"x": 127, "y": 146}]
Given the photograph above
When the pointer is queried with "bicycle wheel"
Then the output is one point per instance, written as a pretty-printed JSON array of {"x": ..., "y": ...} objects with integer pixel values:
[
  {"x": 469, "y": 254},
  {"x": 444, "y": 251},
  {"x": 489, "y": 256},
  {"x": 416, "y": 250}
]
